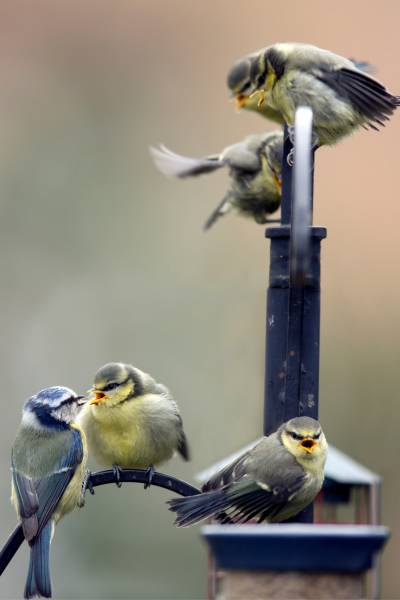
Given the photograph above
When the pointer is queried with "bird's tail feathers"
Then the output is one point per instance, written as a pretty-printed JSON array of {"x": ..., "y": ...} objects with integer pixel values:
[
  {"x": 176, "y": 165},
  {"x": 192, "y": 509},
  {"x": 38, "y": 581},
  {"x": 223, "y": 207}
]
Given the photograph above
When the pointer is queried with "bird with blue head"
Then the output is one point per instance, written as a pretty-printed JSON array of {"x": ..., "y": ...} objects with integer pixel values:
[{"x": 48, "y": 462}]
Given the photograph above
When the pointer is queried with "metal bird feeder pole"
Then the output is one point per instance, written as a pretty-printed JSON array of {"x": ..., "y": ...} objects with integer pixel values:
[{"x": 293, "y": 299}]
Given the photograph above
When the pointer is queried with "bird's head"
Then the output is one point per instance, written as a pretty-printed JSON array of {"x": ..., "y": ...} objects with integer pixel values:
[
  {"x": 115, "y": 383},
  {"x": 53, "y": 407},
  {"x": 242, "y": 80},
  {"x": 304, "y": 439},
  {"x": 239, "y": 83}
]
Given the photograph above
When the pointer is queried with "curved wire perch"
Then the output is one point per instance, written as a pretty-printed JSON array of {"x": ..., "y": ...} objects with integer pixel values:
[
  {"x": 300, "y": 240},
  {"x": 167, "y": 482}
]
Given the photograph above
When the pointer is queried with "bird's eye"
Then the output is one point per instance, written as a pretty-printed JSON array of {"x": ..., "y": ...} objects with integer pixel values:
[
  {"x": 260, "y": 80},
  {"x": 295, "y": 436},
  {"x": 111, "y": 386},
  {"x": 245, "y": 87},
  {"x": 317, "y": 436}
]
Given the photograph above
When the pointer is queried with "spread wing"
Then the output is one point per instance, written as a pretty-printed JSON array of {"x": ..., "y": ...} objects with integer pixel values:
[
  {"x": 176, "y": 165},
  {"x": 237, "y": 502},
  {"x": 38, "y": 497},
  {"x": 369, "y": 97}
]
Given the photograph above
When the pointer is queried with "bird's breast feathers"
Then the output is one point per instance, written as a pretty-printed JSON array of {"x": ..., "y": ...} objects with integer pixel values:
[{"x": 136, "y": 433}]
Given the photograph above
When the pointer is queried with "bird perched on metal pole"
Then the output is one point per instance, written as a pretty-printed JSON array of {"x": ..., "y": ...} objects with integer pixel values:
[
  {"x": 48, "y": 461},
  {"x": 273, "y": 481},
  {"x": 255, "y": 166},
  {"x": 131, "y": 421},
  {"x": 342, "y": 96}
]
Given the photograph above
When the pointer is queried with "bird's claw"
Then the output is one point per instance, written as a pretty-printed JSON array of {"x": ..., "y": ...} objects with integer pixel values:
[
  {"x": 117, "y": 475},
  {"x": 86, "y": 485},
  {"x": 150, "y": 474}
]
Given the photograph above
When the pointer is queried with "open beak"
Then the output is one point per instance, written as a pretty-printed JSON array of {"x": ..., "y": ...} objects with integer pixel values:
[
  {"x": 308, "y": 444},
  {"x": 240, "y": 101},
  {"x": 99, "y": 397}
]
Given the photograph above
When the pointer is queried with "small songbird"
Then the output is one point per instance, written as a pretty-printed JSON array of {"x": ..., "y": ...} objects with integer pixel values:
[
  {"x": 131, "y": 421},
  {"x": 255, "y": 167},
  {"x": 342, "y": 96},
  {"x": 48, "y": 461},
  {"x": 240, "y": 84},
  {"x": 272, "y": 482}
]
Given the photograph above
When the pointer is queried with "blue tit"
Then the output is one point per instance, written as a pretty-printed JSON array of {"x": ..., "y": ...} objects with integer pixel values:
[
  {"x": 48, "y": 462},
  {"x": 255, "y": 168},
  {"x": 240, "y": 85},
  {"x": 131, "y": 421},
  {"x": 341, "y": 95},
  {"x": 272, "y": 482}
]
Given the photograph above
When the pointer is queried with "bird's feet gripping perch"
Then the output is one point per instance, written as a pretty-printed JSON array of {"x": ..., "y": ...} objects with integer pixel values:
[
  {"x": 86, "y": 485},
  {"x": 117, "y": 475},
  {"x": 315, "y": 143},
  {"x": 150, "y": 474}
]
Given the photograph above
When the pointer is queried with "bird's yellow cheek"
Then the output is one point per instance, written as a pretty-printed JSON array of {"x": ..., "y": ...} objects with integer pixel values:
[{"x": 278, "y": 182}]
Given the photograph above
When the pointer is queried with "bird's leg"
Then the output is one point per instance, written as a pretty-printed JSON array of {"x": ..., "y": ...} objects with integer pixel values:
[
  {"x": 314, "y": 144},
  {"x": 150, "y": 473},
  {"x": 86, "y": 485},
  {"x": 117, "y": 475},
  {"x": 314, "y": 141}
]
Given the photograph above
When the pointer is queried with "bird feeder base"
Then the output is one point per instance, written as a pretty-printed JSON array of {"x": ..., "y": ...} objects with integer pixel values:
[{"x": 299, "y": 561}]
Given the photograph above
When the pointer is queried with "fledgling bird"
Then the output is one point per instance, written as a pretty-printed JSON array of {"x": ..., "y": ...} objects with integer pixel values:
[
  {"x": 255, "y": 167},
  {"x": 342, "y": 95},
  {"x": 131, "y": 421},
  {"x": 48, "y": 462},
  {"x": 272, "y": 482},
  {"x": 240, "y": 84}
]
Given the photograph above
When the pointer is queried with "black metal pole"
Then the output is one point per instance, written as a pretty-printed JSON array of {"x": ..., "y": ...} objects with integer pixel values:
[{"x": 293, "y": 314}]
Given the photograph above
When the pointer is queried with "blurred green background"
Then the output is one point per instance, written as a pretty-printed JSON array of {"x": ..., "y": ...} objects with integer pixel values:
[{"x": 103, "y": 259}]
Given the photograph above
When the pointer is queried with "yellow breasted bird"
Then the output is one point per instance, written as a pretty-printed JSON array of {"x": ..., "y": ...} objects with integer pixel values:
[
  {"x": 131, "y": 421},
  {"x": 272, "y": 482},
  {"x": 255, "y": 166}
]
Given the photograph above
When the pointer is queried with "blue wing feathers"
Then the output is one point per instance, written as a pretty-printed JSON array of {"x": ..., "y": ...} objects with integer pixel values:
[{"x": 38, "y": 498}]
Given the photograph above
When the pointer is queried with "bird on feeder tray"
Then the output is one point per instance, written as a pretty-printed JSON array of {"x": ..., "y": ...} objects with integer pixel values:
[
  {"x": 255, "y": 167},
  {"x": 284, "y": 76},
  {"x": 272, "y": 482},
  {"x": 131, "y": 421},
  {"x": 48, "y": 462}
]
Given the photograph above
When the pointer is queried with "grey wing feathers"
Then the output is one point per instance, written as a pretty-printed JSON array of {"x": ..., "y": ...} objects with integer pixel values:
[
  {"x": 176, "y": 165},
  {"x": 183, "y": 446},
  {"x": 237, "y": 502},
  {"x": 368, "y": 96}
]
